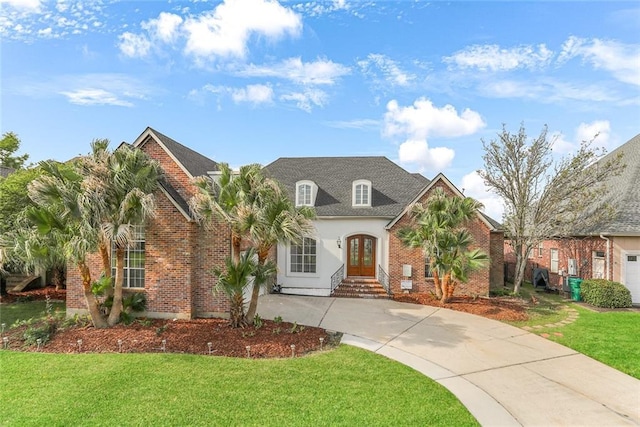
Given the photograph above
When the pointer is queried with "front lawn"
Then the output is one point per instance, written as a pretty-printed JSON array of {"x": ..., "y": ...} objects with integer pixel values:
[
  {"x": 10, "y": 313},
  {"x": 347, "y": 386},
  {"x": 610, "y": 337}
]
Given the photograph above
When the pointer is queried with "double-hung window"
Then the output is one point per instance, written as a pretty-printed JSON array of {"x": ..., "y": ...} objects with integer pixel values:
[
  {"x": 303, "y": 256},
  {"x": 134, "y": 259}
]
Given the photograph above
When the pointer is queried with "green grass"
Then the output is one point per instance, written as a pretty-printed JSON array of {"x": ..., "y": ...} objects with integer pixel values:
[
  {"x": 346, "y": 386},
  {"x": 610, "y": 337},
  {"x": 551, "y": 308},
  {"x": 10, "y": 313}
]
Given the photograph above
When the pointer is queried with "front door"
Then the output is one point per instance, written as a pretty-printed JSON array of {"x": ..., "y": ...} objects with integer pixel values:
[{"x": 361, "y": 255}]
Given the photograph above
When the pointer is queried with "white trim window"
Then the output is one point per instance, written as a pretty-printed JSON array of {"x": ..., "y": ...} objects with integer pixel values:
[
  {"x": 540, "y": 249},
  {"x": 306, "y": 193},
  {"x": 554, "y": 260},
  {"x": 361, "y": 193},
  {"x": 303, "y": 256},
  {"x": 134, "y": 260}
]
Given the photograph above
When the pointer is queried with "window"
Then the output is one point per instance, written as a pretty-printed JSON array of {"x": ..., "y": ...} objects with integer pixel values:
[
  {"x": 134, "y": 257},
  {"x": 554, "y": 260},
  {"x": 306, "y": 193},
  {"x": 303, "y": 256},
  {"x": 540, "y": 249},
  {"x": 362, "y": 193},
  {"x": 427, "y": 268}
]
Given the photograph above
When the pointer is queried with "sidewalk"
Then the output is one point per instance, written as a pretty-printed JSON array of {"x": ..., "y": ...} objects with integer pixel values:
[{"x": 504, "y": 375}]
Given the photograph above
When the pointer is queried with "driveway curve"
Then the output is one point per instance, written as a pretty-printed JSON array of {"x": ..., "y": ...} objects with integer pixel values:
[{"x": 505, "y": 376}]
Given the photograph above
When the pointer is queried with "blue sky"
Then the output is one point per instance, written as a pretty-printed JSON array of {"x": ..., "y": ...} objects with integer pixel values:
[{"x": 246, "y": 81}]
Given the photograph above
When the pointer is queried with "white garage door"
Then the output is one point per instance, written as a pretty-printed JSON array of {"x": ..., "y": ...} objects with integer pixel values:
[{"x": 632, "y": 276}]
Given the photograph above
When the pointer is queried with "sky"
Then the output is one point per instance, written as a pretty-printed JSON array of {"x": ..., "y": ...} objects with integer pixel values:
[{"x": 249, "y": 81}]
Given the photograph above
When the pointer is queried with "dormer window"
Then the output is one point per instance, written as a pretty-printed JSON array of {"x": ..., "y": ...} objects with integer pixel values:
[
  {"x": 361, "y": 193},
  {"x": 306, "y": 193}
]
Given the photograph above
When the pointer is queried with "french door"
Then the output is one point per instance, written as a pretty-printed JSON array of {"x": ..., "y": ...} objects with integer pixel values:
[{"x": 361, "y": 256}]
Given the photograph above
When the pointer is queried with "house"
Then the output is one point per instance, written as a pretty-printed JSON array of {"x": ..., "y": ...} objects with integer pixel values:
[
  {"x": 610, "y": 250},
  {"x": 360, "y": 204}
]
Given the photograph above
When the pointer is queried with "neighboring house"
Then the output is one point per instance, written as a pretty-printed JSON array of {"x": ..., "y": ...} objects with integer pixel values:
[
  {"x": 610, "y": 250},
  {"x": 360, "y": 203}
]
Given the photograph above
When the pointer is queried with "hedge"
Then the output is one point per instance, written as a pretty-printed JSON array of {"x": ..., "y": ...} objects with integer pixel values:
[{"x": 605, "y": 293}]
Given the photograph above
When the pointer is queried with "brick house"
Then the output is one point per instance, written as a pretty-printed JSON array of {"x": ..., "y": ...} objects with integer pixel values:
[
  {"x": 360, "y": 203},
  {"x": 608, "y": 251}
]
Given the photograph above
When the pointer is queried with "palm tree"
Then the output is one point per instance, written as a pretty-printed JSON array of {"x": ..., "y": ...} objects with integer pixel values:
[
  {"x": 232, "y": 282},
  {"x": 274, "y": 219},
  {"x": 256, "y": 209},
  {"x": 438, "y": 229},
  {"x": 58, "y": 214},
  {"x": 125, "y": 200}
]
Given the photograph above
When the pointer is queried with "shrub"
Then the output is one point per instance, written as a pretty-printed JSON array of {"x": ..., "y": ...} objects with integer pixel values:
[{"x": 605, "y": 293}]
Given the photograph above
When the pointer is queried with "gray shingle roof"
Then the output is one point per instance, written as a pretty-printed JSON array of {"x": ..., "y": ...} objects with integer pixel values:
[
  {"x": 624, "y": 192},
  {"x": 392, "y": 186},
  {"x": 194, "y": 162}
]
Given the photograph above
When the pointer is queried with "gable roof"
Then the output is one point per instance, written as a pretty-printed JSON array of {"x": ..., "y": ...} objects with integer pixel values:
[
  {"x": 623, "y": 192},
  {"x": 391, "y": 186},
  {"x": 491, "y": 223},
  {"x": 191, "y": 162}
]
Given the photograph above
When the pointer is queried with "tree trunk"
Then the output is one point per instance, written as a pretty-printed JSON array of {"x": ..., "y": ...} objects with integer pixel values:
[
  {"x": 437, "y": 282},
  {"x": 116, "y": 308},
  {"x": 105, "y": 255},
  {"x": 255, "y": 292},
  {"x": 92, "y": 304},
  {"x": 521, "y": 267},
  {"x": 236, "y": 242},
  {"x": 3, "y": 285},
  {"x": 446, "y": 282},
  {"x": 236, "y": 311},
  {"x": 57, "y": 277}
]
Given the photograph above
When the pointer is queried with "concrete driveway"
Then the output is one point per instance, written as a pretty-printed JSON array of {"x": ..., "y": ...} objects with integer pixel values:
[{"x": 504, "y": 375}]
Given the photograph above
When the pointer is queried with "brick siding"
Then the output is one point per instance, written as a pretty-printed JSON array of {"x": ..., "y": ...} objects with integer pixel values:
[{"x": 479, "y": 281}]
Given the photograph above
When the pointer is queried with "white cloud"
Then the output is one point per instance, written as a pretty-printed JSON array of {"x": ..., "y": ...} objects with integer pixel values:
[
  {"x": 164, "y": 28},
  {"x": 417, "y": 151},
  {"x": 620, "y": 59},
  {"x": 392, "y": 74},
  {"x": 548, "y": 90},
  {"x": 355, "y": 124},
  {"x": 134, "y": 45},
  {"x": 95, "y": 97},
  {"x": 417, "y": 122},
  {"x": 226, "y": 30},
  {"x": 584, "y": 132},
  {"x": 494, "y": 58},
  {"x": 254, "y": 94},
  {"x": 472, "y": 185},
  {"x": 307, "y": 99},
  {"x": 26, "y": 5},
  {"x": 319, "y": 72},
  {"x": 314, "y": 8},
  {"x": 422, "y": 120}
]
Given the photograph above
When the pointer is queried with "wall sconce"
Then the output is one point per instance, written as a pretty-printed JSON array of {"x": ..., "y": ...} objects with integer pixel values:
[{"x": 339, "y": 242}]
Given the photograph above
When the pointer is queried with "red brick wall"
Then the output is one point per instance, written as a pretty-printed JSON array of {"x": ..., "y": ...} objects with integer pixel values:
[
  {"x": 479, "y": 281},
  {"x": 496, "y": 275},
  {"x": 180, "y": 255},
  {"x": 580, "y": 249}
]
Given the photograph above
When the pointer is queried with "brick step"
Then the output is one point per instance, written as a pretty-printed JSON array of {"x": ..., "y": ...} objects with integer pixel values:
[{"x": 360, "y": 288}]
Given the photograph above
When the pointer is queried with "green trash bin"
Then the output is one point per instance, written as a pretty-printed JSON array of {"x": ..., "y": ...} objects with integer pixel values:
[{"x": 574, "y": 285}]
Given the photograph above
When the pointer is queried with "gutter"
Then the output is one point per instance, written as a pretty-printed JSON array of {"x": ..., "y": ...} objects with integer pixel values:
[{"x": 606, "y": 264}]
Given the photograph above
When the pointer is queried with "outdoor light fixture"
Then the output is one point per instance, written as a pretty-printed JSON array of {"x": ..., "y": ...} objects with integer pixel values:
[{"x": 339, "y": 242}]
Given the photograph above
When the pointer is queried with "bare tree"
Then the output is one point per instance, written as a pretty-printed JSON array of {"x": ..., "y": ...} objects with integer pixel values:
[{"x": 544, "y": 198}]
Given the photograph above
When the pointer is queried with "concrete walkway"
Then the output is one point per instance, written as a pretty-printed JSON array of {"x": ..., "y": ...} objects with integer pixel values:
[{"x": 504, "y": 375}]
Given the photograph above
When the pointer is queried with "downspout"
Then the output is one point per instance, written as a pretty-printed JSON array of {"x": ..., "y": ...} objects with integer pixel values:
[{"x": 606, "y": 264}]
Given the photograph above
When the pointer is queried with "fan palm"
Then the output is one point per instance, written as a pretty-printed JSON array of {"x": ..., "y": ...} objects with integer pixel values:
[{"x": 438, "y": 229}]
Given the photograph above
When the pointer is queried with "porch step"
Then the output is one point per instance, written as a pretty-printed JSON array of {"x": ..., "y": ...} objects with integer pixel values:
[{"x": 360, "y": 288}]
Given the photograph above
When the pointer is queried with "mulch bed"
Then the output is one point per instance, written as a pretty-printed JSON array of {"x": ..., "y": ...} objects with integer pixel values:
[
  {"x": 271, "y": 340},
  {"x": 503, "y": 309}
]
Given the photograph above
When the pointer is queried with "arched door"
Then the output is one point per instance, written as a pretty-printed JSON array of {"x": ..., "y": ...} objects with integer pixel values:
[{"x": 361, "y": 256}]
